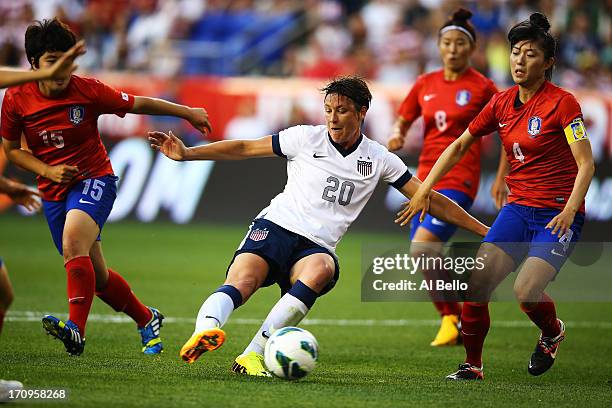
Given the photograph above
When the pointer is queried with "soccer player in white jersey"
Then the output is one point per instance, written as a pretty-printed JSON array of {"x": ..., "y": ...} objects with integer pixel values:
[{"x": 332, "y": 171}]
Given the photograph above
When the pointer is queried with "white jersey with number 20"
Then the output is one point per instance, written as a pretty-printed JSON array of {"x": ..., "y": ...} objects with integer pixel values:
[{"x": 327, "y": 186}]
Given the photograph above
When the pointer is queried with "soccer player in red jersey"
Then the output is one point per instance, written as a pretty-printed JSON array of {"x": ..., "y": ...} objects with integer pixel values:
[
  {"x": 19, "y": 193},
  {"x": 550, "y": 169},
  {"x": 59, "y": 121},
  {"x": 448, "y": 99}
]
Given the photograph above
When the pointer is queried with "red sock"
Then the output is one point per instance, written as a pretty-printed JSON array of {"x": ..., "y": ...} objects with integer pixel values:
[
  {"x": 448, "y": 308},
  {"x": 475, "y": 323},
  {"x": 81, "y": 287},
  {"x": 118, "y": 295},
  {"x": 444, "y": 301},
  {"x": 544, "y": 315},
  {"x": 2, "y": 312}
]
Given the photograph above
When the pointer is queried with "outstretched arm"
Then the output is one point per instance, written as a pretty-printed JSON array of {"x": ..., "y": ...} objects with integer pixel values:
[
  {"x": 20, "y": 193},
  {"x": 175, "y": 149},
  {"x": 398, "y": 135},
  {"x": 62, "y": 68},
  {"x": 420, "y": 200},
  {"x": 198, "y": 117},
  {"x": 443, "y": 208}
]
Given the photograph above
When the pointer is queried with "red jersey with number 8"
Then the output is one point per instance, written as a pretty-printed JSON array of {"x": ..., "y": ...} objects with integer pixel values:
[
  {"x": 63, "y": 130},
  {"x": 447, "y": 108},
  {"x": 536, "y": 137}
]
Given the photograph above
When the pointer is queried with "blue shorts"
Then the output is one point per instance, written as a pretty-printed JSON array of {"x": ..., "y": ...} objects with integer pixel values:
[
  {"x": 94, "y": 196},
  {"x": 281, "y": 249},
  {"x": 439, "y": 228},
  {"x": 520, "y": 231},
  {"x": 1, "y": 262}
]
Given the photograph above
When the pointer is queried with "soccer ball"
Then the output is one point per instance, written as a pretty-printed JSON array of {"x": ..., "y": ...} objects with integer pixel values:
[{"x": 291, "y": 353}]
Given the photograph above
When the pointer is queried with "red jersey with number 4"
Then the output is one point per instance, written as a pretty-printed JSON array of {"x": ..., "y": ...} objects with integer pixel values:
[
  {"x": 447, "y": 108},
  {"x": 536, "y": 137},
  {"x": 63, "y": 130}
]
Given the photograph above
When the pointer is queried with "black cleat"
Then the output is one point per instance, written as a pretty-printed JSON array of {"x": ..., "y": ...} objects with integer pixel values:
[
  {"x": 466, "y": 372},
  {"x": 68, "y": 333},
  {"x": 545, "y": 352}
]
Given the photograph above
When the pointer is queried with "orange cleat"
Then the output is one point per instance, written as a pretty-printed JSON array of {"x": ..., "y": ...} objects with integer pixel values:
[{"x": 207, "y": 340}]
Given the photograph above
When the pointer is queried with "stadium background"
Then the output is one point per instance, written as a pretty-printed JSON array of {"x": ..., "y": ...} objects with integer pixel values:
[{"x": 256, "y": 66}]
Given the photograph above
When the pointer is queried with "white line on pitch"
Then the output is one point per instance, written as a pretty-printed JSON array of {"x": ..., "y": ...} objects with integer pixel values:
[{"x": 32, "y": 316}]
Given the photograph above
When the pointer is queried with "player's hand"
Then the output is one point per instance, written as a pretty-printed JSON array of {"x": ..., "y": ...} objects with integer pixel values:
[
  {"x": 168, "y": 144},
  {"x": 65, "y": 66},
  {"x": 198, "y": 117},
  {"x": 418, "y": 204},
  {"x": 62, "y": 173},
  {"x": 23, "y": 195},
  {"x": 561, "y": 223},
  {"x": 395, "y": 143},
  {"x": 499, "y": 193}
]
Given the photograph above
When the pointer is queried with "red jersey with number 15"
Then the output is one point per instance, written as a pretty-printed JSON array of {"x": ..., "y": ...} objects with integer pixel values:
[
  {"x": 447, "y": 108},
  {"x": 536, "y": 137},
  {"x": 63, "y": 130}
]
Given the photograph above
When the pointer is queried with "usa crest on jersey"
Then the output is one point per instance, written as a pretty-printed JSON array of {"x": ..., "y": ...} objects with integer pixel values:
[
  {"x": 463, "y": 97},
  {"x": 534, "y": 125},
  {"x": 259, "y": 234},
  {"x": 76, "y": 114},
  {"x": 364, "y": 167}
]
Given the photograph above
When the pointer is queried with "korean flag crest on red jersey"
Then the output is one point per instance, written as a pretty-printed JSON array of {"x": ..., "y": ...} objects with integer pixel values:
[
  {"x": 259, "y": 234},
  {"x": 534, "y": 125},
  {"x": 76, "y": 114},
  {"x": 463, "y": 97}
]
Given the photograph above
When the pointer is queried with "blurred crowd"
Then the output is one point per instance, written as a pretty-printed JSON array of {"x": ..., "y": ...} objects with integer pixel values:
[{"x": 391, "y": 41}]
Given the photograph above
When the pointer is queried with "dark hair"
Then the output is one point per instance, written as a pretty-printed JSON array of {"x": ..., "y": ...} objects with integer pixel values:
[
  {"x": 353, "y": 87},
  {"x": 535, "y": 29},
  {"x": 47, "y": 36},
  {"x": 460, "y": 18}
]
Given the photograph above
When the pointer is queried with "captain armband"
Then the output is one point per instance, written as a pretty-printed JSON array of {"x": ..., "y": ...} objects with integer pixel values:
[{"x": 575, "y": 131}]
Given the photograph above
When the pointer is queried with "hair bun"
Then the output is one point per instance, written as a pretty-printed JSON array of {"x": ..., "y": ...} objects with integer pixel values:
[
  {"x": 462, "y": 15},
  {"x": 539, "y": 20}
]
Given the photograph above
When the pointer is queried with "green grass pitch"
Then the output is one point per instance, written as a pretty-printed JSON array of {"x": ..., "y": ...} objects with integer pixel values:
[{"x": 363, "y": 360}]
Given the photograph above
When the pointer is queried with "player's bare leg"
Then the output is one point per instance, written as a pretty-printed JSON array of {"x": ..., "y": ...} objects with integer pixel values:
[
  {"x": 425, "y": 243},
  {"x": 99, "y": 264},
  {"x": 529, "y": 286},
  {"x": 475, "y": 321},
  {"x": 246, "y": 274},
  {"x": 309, "y": 276},
  {"x": 6, "y": 292},
  {"x": 116, "y": 292},
  {"x": 80, "y": 232}
]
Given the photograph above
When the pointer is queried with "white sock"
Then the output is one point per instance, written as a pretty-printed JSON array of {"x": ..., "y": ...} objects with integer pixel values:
[
  {"x": 288, "y": 311},
  {"x": 214, "y": 312}
]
